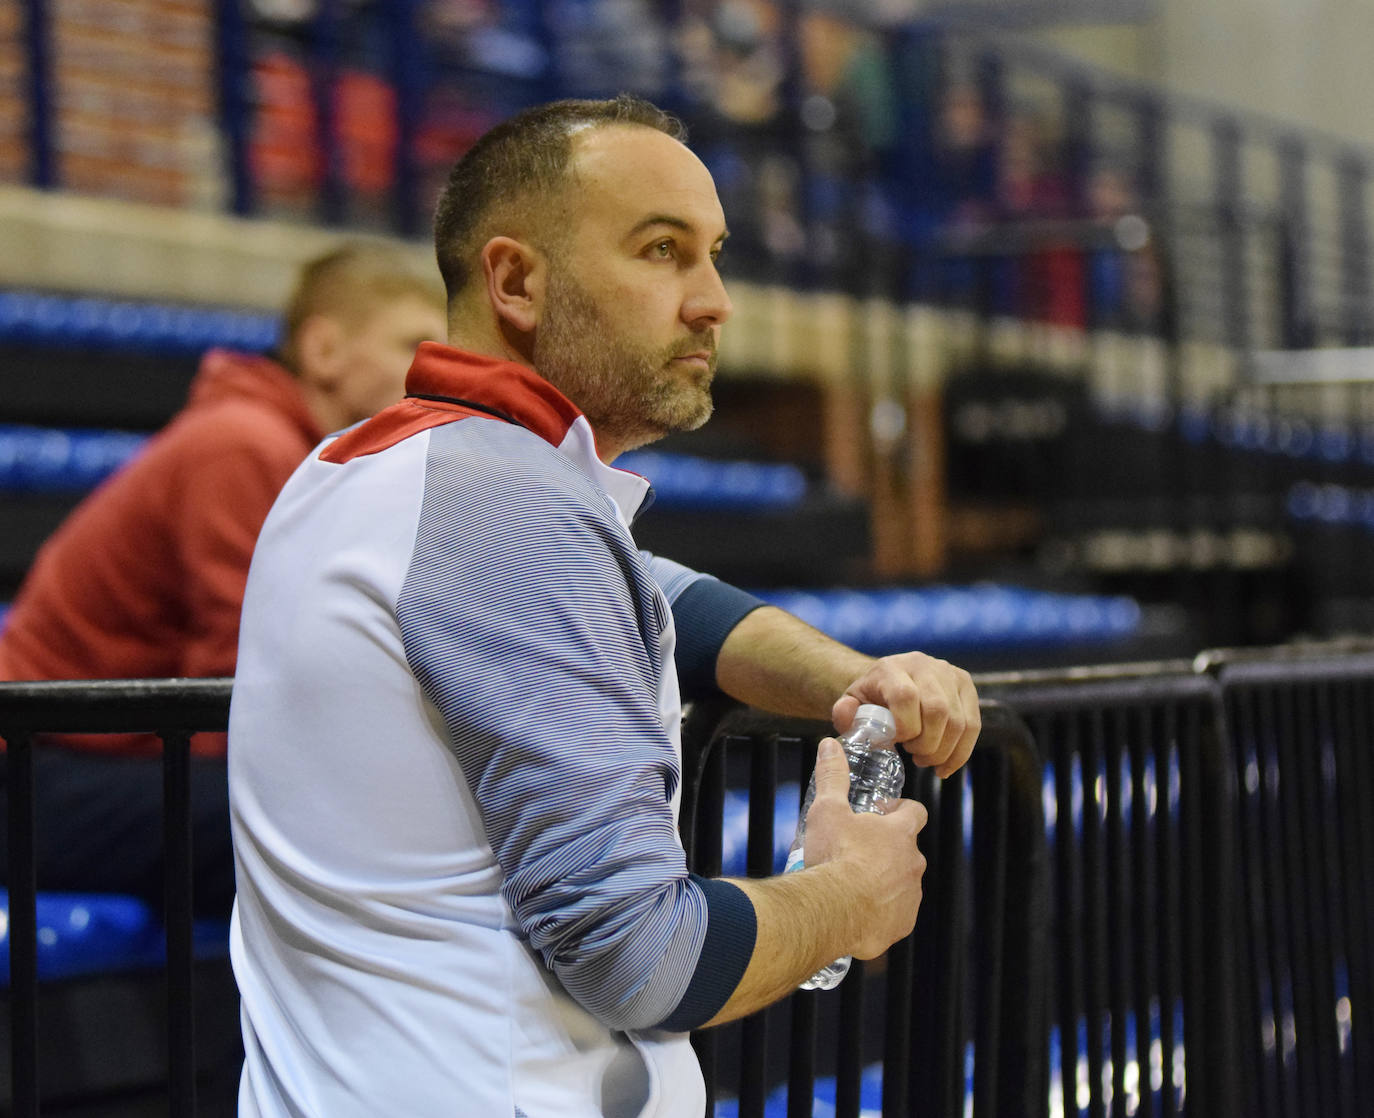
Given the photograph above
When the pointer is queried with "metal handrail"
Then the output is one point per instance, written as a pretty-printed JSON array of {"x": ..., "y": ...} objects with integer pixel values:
[{"x": 172, "y": 709}]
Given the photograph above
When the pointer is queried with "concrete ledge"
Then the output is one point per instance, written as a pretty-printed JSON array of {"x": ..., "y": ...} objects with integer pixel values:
[{"x": 68, "y": 242}]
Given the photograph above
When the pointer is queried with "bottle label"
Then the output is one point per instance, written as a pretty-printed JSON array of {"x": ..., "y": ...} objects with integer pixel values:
[{"x": 795, "y": 861}]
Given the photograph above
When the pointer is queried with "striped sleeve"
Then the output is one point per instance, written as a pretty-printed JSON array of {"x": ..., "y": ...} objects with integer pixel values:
[
  {"x": 705, "y": 610},
  {"x": 531, "y": 622}
]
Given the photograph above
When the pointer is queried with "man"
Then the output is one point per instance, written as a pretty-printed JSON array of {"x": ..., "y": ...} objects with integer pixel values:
[
  {"x": 454, "y": 755},
  {"x": 146, "y": 577}
]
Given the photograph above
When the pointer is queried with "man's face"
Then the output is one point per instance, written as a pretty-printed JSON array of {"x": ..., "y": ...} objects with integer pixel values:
[
  {"x": 376, "y": 352},
  {"x": 632, "y": 312}
]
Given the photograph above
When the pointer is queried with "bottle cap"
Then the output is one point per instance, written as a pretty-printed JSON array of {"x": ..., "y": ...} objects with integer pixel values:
[{"x": 874, "y": 713}]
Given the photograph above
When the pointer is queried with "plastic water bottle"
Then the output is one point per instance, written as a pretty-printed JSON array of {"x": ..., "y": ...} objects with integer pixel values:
[{"x": 875, "y": 778}]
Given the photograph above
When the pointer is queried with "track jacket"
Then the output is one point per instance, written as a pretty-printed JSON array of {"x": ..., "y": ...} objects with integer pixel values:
[{"x": 454, "y": 771}]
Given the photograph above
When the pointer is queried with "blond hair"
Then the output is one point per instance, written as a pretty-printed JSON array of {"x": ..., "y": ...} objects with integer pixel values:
[{"x": 349, "y": 282}]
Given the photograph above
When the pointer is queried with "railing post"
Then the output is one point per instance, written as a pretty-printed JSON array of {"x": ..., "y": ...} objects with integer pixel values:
[
  {"x": 703, "y": 797},
  {"x": 801, "y": 1052},
  {"x": 1077, "y": 156},
  {"x": 763, "y": 783},
  {"x": 333, "y": 201},
  {"x": 403, "y": 74},
  {"x": 23, "y": 928},
  {"x": 1299, "y": 329},
  {"x": 1353, "y": 175},
  {"x": 990, "y": 806},
  {"x": 1023, "y": 1055},
  {"x": 849, "y": 1058},
  {"x": 898, "y": 1055},
  {"x": 1228, "y": 186},
  {"x": 235, "y": 112},
  {"x": 42, "y": 168},
  {"x": 178, "y": 861}
]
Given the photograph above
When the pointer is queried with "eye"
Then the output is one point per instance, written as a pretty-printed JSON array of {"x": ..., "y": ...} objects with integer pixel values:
[{"x": 661, "y": 250}]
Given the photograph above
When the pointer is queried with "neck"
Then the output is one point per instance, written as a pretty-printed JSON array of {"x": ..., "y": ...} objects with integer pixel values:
[
  {"x": 484, "y": 333},
  {"x": 328, "y": 414}
]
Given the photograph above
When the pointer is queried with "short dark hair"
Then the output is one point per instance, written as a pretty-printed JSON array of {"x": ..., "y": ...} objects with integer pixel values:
[{"x": 523, "y": 161}]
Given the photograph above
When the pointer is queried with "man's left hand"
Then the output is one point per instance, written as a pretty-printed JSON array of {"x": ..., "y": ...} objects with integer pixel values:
[{"x": 933, "y": 703}]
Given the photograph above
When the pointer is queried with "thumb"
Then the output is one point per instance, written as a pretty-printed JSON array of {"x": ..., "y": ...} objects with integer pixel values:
[{"x": 832, "y": 771}]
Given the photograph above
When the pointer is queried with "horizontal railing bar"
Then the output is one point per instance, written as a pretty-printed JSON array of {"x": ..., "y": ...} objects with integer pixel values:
[
  {"x": 114, "y": 706},
  {"x": 1137, "y": 669},
  {"x": 153, "y": 705},
  {"x": 1353, "y": 651}
]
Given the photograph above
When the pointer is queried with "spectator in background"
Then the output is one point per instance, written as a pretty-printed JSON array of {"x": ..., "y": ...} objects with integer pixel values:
[
  {"x": 1045, "y": 277},
  {"x": 952, "y": 192},
  {"x": 146, "y": 576},
  {"x": 851, "y": 123},
  {"x": 1111, "y": 196}
]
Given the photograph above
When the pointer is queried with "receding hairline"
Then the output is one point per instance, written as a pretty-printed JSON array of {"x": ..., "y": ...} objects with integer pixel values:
[
  {"x": 555, "y": 194},
  {"x": 538, "y": 149},
  {"x": 573, "y": 178}
]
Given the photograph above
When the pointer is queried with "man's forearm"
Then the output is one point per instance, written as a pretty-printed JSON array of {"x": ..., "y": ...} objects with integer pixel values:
[
  {"x": 805, "y": 920},
  {"x": 777, "y": 662}
]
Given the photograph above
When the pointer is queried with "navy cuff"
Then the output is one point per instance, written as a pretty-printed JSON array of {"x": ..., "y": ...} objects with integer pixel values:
[
  {"x": 731, "y": 928},
  {"x": 703, "y": 615}
]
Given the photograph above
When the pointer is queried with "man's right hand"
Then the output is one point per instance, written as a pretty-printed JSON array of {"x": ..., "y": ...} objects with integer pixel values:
[
  {"x": 879, "y": 854},
  {"x": 858, "y": 895}
]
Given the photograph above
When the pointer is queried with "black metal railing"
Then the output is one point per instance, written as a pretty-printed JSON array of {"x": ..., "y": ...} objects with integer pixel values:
[
  {"x": 1151, "y": 891},
  {"x": 1303, "y": 751},
  {"x": 968, "y": 982},
  {"x": 1212, "y": 879},
  {"x": 172, "y": 709},
  {"x": 1143, "y": 914}
]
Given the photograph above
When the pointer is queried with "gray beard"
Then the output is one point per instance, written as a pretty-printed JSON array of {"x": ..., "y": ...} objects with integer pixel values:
[{"x": 627, "y": 394}]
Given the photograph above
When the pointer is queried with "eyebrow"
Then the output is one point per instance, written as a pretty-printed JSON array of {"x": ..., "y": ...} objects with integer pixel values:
[{"x": 671, "y": 221}]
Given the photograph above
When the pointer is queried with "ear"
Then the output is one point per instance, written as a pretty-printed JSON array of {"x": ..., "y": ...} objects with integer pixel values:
[
  {"x": 319, "y": 348},
  {"x": 516, "y": 274}
]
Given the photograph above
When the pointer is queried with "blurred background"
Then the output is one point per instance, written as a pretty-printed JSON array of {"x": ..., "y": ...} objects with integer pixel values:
[{"x": 1051, "y": 315}]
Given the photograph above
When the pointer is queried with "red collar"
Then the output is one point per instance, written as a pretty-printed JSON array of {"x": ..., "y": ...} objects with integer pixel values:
[
  {"x": 446, "y": 384},
  {"x": 445, "y": 376}
]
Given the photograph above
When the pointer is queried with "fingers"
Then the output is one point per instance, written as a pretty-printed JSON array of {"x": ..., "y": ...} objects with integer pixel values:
[
  {"x": 902, "y": 808},
  {"x": 973, "y": 724},
  {"x": 891, "y": 846},
  {"x": 934, "y": 704}
]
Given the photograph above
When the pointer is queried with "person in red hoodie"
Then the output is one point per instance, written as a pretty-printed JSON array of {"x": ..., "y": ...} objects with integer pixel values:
[{"x": 145, "y": 578}]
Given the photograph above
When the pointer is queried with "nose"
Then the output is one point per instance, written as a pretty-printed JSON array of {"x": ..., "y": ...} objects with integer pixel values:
[{"x": 707, "y": 303}]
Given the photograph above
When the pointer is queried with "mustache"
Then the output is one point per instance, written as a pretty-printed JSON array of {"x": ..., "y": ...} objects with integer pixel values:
[{"x": 703, "y": 343}]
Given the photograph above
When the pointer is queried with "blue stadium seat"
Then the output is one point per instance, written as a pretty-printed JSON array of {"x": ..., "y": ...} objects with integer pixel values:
[
  {"x": 870, "y": 1098},
  {"x": 52, "y": 460},
  {"x": 46, "y": 460},
  {"x": 948, "y": 618},
  {"x": 683, "y": 481},
  {"x": 735, "y": 824},
  {"x": 94, "y": 933},
  {"x": 35, "y": 318}
]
